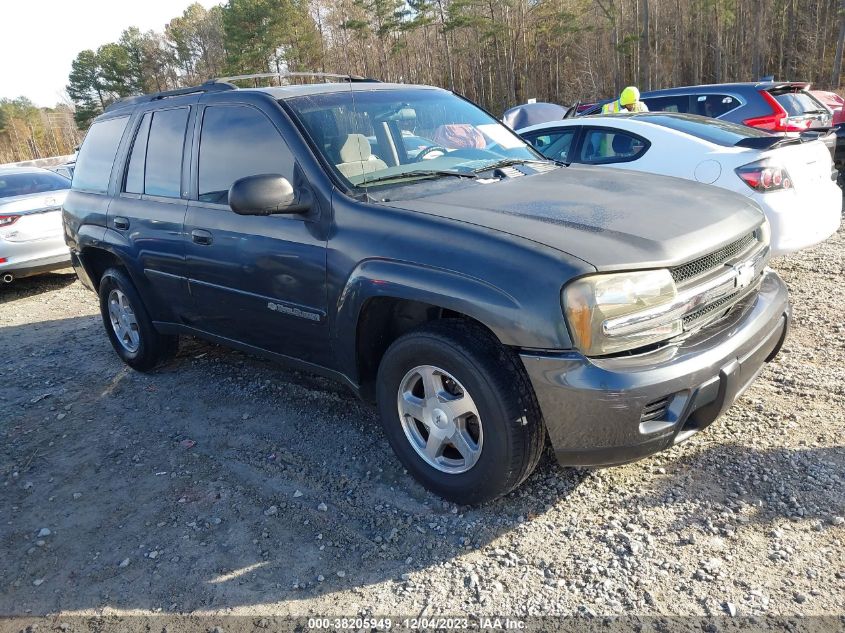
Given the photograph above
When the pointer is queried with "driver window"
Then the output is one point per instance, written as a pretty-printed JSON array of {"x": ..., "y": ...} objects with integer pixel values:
[{"x": 236, "y": 142}]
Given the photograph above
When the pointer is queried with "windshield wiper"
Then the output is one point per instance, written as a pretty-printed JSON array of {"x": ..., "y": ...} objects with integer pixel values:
[
  {"x": 507, "y": 162},
  {"x": 419, "y": 173}
]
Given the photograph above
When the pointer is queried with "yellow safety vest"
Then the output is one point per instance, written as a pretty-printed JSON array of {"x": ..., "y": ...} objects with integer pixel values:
[{"x": 614, "y": 107}]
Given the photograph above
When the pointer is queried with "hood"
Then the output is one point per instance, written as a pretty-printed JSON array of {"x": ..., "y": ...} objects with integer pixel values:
[
  {"x": 33, "y": 202},
  {"x": 610, "y": 218}
]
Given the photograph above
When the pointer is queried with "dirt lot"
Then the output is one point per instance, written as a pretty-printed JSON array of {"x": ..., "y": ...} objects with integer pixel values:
[{"x": 287, "y": 500}]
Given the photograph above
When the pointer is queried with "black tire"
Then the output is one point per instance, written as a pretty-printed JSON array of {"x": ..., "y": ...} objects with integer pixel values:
[
  {"x": 153, "y": 348},
  {"x": 513, "y": 428}
]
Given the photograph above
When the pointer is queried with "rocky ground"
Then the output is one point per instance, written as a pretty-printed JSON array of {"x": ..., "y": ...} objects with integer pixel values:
[{"x": 223, "y": 484}]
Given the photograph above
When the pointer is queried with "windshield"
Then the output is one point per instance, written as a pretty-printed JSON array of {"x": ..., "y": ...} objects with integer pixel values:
[
  {"x": 715, "y": 131},
  {"x": 402, "y": 134},
  {"x": 24, "y": 183}
]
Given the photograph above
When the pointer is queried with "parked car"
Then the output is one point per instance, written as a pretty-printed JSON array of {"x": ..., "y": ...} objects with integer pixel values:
[
  {"x": 483, "y": 296},
  {"x": 65, "y": 169},
  {"x": 793, "y": 181},
  {"x": 832, "y": 102},
  {"x": 31, "y": 240}
]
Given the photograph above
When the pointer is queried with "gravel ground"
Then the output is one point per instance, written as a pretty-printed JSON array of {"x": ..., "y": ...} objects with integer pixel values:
[{"x": 224, "y": 484}]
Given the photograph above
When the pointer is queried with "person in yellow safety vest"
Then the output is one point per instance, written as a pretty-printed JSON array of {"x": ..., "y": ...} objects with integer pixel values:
[{"x": 628, "y": 101}]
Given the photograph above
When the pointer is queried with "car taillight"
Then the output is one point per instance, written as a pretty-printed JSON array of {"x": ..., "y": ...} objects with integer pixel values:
[
  {"x": 777, "y": 121},
  {"x": 763, "y": 177},
  {"x": 8, "y": 220}
]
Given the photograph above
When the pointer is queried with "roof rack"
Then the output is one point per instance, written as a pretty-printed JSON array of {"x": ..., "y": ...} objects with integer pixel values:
[
  {"x": 209, "y": 86},
  {"x": 287, "y": 75},
  {"x": 221, "y": 84}
]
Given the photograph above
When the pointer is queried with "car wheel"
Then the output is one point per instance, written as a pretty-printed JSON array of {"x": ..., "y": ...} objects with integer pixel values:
[
  {"x": 459, "y": 412},
  {"x": 128, "y": 325}
]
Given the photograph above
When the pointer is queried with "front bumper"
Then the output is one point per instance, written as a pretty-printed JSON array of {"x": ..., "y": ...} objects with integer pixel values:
[{"x": 601, "y": 412}]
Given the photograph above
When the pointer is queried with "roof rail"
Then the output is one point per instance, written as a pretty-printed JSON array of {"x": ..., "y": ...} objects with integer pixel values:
[
  {"x": 286, "y": 75},
  {"x": 209, "y": 86}
]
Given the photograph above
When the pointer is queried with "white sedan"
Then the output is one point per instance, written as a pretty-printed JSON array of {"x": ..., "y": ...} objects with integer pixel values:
[{"x": 792, "y": 181}]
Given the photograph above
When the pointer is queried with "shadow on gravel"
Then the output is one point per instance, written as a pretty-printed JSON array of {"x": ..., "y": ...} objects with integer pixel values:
[
  {"x": 757, "y": 486},
  {"x": 220, "y": 480},
  {"x": 30, "y": 286}
]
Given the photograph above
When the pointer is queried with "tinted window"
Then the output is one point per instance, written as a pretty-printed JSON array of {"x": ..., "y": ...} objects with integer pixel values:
[
  {"x": 163, "y": 171},
  {"x": 798, "y": 103},
  {"x": 611, "y": 146},
  {"x": 135, "y": 171},
  {"x": 712, "y": 130},
  {"x": 238, "y": 141},
  {"x": 554, "y": 144},
  {"x": 96, "y": 156},
  {"x": 21, "y": 184},
  {"x": 714, "y": 105},
  {"x": 668, "y": 104}
]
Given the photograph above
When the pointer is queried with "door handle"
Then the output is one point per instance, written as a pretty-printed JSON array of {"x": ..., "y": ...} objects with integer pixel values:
[
  {"x": 201, "y": 237},
  {"x": 121, "y": 224}
]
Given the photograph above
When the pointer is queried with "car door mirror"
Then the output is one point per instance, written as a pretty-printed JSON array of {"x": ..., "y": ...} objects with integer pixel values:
[{"x": 266, "y": 194}]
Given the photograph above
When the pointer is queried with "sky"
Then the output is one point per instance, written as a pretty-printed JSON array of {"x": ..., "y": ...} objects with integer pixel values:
[{"x": 40, "y": 38}]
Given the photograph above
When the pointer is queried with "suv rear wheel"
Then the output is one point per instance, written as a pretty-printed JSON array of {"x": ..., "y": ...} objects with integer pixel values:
[
  {"x": 128, "y": 325},
  {"x": 459, "y": 411}
]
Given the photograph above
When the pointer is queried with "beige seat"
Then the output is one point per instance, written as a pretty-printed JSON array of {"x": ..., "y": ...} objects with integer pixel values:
[{"x": 356, "y": 157}]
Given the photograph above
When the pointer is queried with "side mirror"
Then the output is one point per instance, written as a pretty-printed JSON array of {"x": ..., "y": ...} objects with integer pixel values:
[{"x": 266, "y": 194}]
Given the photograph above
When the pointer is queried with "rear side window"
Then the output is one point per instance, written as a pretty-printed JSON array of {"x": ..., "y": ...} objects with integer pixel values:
[
  {"x": 97, "y": 154},
  {"x": 679, "y": 103},
  {"x": 135, "y": 170},
  {"x": 163, "y": 168},
  {"x": 236, "y": 142},
  {"x": 611, "y": 146},
  {"x": 714, "y": 105}
]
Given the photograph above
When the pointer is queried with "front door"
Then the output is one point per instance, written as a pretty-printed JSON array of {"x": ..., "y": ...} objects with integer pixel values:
[{"x": 256, "y": 280}]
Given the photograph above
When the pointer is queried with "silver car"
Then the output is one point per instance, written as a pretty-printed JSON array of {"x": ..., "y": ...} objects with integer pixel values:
[{"x": 31, "y": 240}]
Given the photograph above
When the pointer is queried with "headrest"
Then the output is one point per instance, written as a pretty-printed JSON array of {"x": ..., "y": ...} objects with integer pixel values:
[
  {"x": 622, "y": 144},
  {"x": 356, "y": 148}
]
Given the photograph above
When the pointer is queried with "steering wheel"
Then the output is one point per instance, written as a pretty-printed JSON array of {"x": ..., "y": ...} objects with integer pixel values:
[{"x": 428, "y": 150}]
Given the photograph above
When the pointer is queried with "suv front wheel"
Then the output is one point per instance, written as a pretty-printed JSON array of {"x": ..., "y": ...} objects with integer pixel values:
[
  {"x": 459, "y": 411},
  {"x": 128, "y": 325}
]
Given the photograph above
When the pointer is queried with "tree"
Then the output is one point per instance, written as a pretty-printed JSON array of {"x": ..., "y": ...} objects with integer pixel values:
[{"x": 84, "y": 88}]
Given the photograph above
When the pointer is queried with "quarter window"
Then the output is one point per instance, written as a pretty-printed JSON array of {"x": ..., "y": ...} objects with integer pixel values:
[
  {"x": 611, "y": 146},
  {"x": 714, "y": 105},
  {"x": 96, "y": 157},
  {"x": 236, "y": 142}
]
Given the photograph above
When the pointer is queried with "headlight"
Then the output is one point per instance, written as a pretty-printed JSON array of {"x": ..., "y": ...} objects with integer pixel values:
[{"x": 615, "y": 312}]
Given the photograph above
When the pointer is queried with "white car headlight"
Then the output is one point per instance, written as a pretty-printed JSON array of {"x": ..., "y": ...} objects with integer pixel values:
[{"x": 615, "y": 312}]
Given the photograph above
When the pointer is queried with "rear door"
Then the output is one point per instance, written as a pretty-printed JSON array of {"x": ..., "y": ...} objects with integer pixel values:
[
  {"x": 256, "y": 280},
  {"x": 671, "y": 103},
  {"x": 147, "y": 216}
]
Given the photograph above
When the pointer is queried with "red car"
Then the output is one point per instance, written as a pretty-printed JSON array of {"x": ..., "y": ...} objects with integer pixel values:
[{"x": 832, "y": 102}]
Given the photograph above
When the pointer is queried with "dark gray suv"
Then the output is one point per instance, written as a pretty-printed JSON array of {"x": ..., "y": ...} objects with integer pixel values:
[{"x": 484, "y": 297}]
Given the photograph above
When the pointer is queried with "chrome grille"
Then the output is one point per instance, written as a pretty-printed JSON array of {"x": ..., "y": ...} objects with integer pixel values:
[
  {"x": 715, "y": 259},
  {"x": 725, "y": 302}
]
